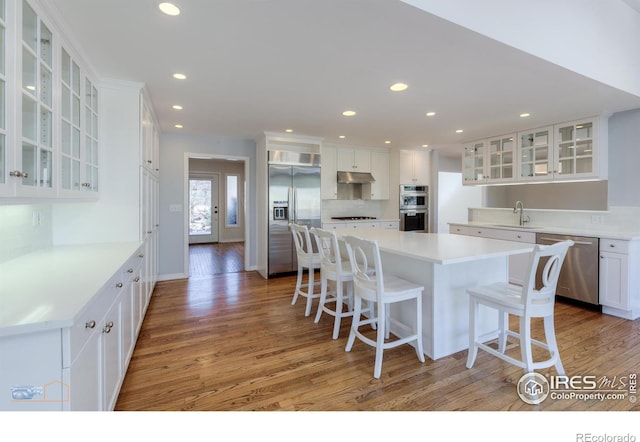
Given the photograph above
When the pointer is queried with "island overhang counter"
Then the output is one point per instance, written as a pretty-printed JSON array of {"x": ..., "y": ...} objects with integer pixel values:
[{"x": 446, "y": 265}]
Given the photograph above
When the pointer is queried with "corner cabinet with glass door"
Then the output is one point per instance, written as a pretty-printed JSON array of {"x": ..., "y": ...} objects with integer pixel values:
[
  {"x": 581, "y": 149},
  {"x": 6, "y": 84},
  {"x": 473, "y": 163}
]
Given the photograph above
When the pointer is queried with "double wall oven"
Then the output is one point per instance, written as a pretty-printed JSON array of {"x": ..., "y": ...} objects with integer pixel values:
[{"x": 414, "y": 208}]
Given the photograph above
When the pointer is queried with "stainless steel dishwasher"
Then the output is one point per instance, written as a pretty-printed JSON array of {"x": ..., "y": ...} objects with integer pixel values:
[{"x": 579, "y": 274}]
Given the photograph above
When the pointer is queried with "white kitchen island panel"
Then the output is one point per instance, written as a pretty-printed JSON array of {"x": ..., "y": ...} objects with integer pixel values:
[{"x": 446, "y": 265}]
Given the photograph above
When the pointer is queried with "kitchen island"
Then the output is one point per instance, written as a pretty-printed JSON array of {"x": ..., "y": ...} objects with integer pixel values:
[{"x": 446, "y": 265}]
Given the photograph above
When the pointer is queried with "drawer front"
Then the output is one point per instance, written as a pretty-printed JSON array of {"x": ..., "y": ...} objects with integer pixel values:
[
  {"x": 460, "y": 230},
  {"x": 390, "y": 224},
  {"x": 614, "y": 245},
  {"x": 332, "y": 226},
  {"x": 515, "y": 235}
]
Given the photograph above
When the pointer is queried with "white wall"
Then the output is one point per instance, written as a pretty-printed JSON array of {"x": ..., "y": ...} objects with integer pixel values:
[
  {"x": 173, "y": 148},
  {"x": 24, "y": 229},
  {"x": 600, "y": 38},
  {"x": 624, "y": 158}
]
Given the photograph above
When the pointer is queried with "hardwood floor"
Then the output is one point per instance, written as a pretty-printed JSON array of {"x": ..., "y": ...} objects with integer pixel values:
[
  {"x": 211, "y": 259},
  {"x": 234, "y": 342}
]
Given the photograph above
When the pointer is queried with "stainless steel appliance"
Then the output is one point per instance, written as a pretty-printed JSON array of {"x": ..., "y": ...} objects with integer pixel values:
[
  {"x": 294, "y": 197},
  {"x": 579, "y": 274},
  {"x": 414, "y": 208}
]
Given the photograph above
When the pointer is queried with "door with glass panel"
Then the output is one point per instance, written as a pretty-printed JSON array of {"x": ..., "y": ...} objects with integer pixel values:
[
  {"x": 535, "y": 154},
  {"x": 203, "y": 209}
]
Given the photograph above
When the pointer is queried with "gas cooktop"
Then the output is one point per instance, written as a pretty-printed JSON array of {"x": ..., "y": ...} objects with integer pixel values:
[{"x": 352, "y": 218}]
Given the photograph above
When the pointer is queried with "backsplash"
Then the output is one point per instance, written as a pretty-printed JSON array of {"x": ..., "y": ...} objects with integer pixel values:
[
  {"x": 24, "y": 229},
  {"x": 621, "y": 219},
  {"x": 377, "y": 209}
]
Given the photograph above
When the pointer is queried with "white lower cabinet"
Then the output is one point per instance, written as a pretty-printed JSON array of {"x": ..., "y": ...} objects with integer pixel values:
[
  {"x": 619, "y": 286},
  {"x": 81, "y": 367}
]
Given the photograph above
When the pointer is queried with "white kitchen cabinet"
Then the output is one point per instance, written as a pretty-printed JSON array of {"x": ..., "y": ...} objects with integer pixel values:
[
  {"x": 363, "y": 224},
  {"x": 333, "y": 226},
  {"x": 148, "y": 139},
  {"x": 581, "y": 149},
  {"x": 353, "y": 160},
  {"x": 329, "y": 173},
  {"x": 535, "y": 154},
  {"x": 379, "y": 189},
  {"x": 414, "y": 167},
  {"x": 619, "y": 286},
  {"x": 49, "y": 147},
  {"x": 474, "y": 163},
  {"x": 500, "y": 158},
  {"x": 393, "y": 225}
]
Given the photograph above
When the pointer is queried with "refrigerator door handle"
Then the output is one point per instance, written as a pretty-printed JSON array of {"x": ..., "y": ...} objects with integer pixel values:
[
  {"x": 294, "y": 204},
  {"x": 290, "y": 205}
]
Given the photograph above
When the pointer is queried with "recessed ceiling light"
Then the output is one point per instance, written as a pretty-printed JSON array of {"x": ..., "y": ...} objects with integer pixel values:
[
  {"x": 387, "y": 142},
  {"x": 425, "y": 145},
  {"x": 342, "y": 137},
  {"x": 459, "y": 131},
  {"x": 169, "y": 8},
  {"x": 349, "y": 113},
  {"x": 288, "y": 130},
  {"x": 179, "y": 76},
  {"x": 430, "y": 114},
  {"x": 524, "y": 115},
  {"x": 177, "y": 107},
  {"x": 398, "y": 87},
  {"x": 178, "y": 126}
]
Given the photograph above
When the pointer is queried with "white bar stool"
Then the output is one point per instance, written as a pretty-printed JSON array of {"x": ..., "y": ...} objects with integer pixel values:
[
  {"x": 332, "y": 269},
  {"x": 526, "y": 302},
  {"x": 307, "y": 259},
  {"x": 384, "y": 290}
]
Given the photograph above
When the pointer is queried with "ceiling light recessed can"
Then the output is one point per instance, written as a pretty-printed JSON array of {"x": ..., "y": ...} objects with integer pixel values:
[
  {"x": 425, "y": 145},
  {"x": 177, "y": 107},
  {"x": 169, "y": 8},
  {"x": 179, "y": 76},
  {"x": 387, "y": 142},
  {"x": 178, "y": 126},
  {"x": 288, "y": 130},
  {"x": 349, "y": 113},
  {"x": 524, "y": 115},
  {"x": 430, "y": 114},
  {"x": 459, "y": 131},
  {"x": 398, "y": 87},
  {"x": 342, "y": 137}
]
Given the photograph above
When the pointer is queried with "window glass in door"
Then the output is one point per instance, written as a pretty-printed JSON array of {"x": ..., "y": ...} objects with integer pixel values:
[{"x": 203, "y": 210}]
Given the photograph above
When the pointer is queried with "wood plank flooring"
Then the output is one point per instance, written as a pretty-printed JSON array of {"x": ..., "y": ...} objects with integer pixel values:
[
  {"x": 212, "y": 259},
  {"x": 234, "y": 342}
]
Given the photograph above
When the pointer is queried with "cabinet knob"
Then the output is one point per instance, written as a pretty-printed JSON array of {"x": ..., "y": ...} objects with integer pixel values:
[
  {"x": 119, "y": 285},
  {"x": 612, "y": 245},
  {"x": 90, "y": 324},
  {"x": 107, "y": 327},
  {"x": 136, "y": 279},
  {"x": 18, "y": 174},
  {"x": 129, "y": 270},
  {"x": 141, "y": 255},
  {"x": 149, "y": 161}
]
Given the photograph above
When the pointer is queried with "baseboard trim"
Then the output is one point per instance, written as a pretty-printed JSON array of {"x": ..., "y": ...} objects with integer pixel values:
[{"x": 172, "y": 276}]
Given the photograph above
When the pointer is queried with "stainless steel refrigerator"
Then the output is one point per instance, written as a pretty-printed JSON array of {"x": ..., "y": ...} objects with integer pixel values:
[{"x": 294, "y": 197}]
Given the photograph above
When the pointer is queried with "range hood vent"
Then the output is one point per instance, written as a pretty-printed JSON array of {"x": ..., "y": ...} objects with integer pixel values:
[{"x": 355, "y": 177}]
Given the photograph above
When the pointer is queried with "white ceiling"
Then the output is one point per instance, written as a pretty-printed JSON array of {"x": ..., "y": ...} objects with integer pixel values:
[{"x": 270, "y": 65}]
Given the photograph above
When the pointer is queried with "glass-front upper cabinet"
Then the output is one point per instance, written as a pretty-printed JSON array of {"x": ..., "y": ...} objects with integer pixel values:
[
  {"x": 575, "y": 149},
  {"x": 501, "y": 154},
  {"x": 91, "y": 145},
  {"x": 473, "y": 163},
  {"x": 535, "y": 154},
  {"x": 37, "y": 156}
]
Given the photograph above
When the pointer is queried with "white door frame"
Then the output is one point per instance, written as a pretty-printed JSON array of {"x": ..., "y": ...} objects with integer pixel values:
[{"x": 185, "y": 202}]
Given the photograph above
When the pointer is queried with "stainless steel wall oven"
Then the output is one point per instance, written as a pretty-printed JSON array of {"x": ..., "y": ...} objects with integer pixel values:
[{"x": 414, "y": 208}]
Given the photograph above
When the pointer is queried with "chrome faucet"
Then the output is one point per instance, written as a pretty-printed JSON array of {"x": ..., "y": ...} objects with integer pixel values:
[{"x": 519, "y": 208}]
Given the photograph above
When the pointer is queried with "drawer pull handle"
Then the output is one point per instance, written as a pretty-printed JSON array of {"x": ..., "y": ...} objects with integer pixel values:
[
  {"x": 141, "y": 255},
  {"x": 612, "y": 245},
  {"x": 136, "y": 279},
  {"x": 108, "y": 326},
  {"x": 119, "y": 285},
  {"x": 129, "y": 270},
  {"x": 90, "y": 324}
]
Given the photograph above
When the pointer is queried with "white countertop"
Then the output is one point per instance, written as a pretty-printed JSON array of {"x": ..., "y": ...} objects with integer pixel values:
[
  {"x": 583, "y": 231},
  {"x": 439, "y": 248},
  {"x": 50, "y": 287},
  {"x": 331, "y": 220}
]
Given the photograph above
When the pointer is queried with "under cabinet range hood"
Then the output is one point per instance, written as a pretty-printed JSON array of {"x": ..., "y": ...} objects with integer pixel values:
[{"x": 345, "y": 177}]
